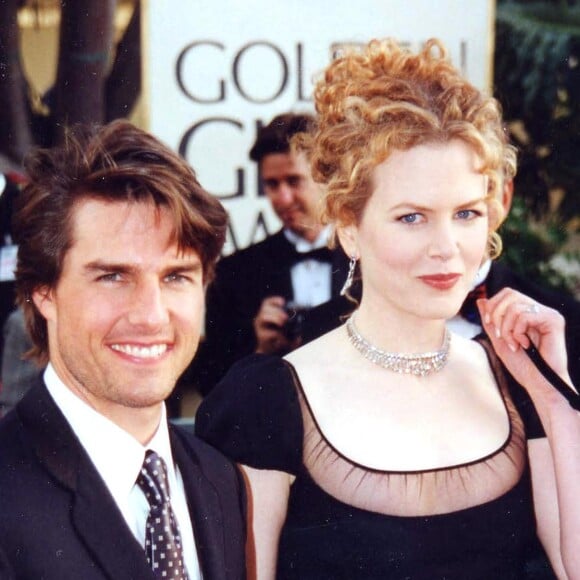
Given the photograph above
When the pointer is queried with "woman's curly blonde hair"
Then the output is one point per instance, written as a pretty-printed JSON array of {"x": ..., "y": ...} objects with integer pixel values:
[{"x": 385, "y": 98}]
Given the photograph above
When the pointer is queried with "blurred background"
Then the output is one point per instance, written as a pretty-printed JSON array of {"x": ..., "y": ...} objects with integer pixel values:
[{"x": 67, "y": 62}]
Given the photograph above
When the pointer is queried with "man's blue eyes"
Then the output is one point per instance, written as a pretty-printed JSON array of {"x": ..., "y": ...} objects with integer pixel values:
[
  {"x": 177, "y": 278},
  {"x": 117, "y": 277},
  {"x": 112, "y": 277}
]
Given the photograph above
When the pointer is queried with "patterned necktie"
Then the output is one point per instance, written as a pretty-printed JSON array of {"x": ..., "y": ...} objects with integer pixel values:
[
  {"x": 162, "y": 539},
  {"x": 469, "y": 309}
]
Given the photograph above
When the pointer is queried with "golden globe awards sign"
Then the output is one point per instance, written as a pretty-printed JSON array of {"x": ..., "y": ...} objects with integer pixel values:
[{"x": 216, "y": 70}]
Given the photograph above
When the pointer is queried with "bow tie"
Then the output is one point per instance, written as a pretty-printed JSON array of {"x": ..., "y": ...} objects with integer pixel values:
[
  {"x": 319, "y": 254},
  {"x": 469, "y": 309}
]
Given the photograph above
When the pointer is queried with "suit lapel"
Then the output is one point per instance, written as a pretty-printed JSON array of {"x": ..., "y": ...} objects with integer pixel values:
[
  {"x": 339, "y": 270},
  {"x": 205, "y": 509},
  {"x": 103, "y": 529},
  {"x": 281, "y": 257},
  {"x": 499, "y": 277},
  {"x": 96, "y": 518},
  {"x": 53, "y": 440}
]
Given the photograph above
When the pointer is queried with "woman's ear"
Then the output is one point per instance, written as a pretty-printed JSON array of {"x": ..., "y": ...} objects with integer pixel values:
[
  {"x": 507, "y": 195},
  {"x": 348, "y": 238}
]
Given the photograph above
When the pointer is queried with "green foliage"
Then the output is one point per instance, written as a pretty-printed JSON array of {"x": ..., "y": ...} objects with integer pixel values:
[
  {"x": 535, "y": 249},
  {"x": 537, "y": 78}
]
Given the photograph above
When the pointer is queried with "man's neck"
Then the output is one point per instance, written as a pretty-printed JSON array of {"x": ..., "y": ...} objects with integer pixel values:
[
  {"x": 311, "y": 235},
  {"x": 316, "y": 238},
  {"x": 139, "y": 422}
]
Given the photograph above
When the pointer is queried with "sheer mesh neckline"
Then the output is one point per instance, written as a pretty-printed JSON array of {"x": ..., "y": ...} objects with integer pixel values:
[
  {"x": 413, "y": 493},
  {"x": 306, "y": 407}
]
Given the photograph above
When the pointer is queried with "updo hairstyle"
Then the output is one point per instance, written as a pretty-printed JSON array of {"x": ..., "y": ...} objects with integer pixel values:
[{"x": 385, "y": 98}]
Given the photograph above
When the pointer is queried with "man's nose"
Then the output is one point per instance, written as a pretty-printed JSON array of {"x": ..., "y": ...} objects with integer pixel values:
[
  {"x": 147, "y": 307},
  {"x": 284, "y": 195}
]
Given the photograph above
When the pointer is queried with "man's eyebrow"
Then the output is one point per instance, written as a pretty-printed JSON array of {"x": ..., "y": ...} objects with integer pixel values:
[
  {"x": 102, "y": 266},
  {"x": 191, "y": 265}
]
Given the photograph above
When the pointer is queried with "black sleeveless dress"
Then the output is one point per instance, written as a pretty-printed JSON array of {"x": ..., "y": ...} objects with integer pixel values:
[{"x": 347, "y": 521}]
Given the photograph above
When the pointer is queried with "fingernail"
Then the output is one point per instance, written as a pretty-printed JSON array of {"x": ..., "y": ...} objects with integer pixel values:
[
  {"x": 512, "y": 347},
  {"x": 497, "y": 333},
  {"x": 487, "y": 318}
]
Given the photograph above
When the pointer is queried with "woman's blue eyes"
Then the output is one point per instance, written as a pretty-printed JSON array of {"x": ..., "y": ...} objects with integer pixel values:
[
  {"x": 415, "y": 218},
  {"x": 466, "y": 214},
  {"x": 410, "y": 218}
]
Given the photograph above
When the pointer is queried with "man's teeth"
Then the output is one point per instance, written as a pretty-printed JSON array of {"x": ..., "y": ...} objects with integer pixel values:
[{"x": 141, "y": 351}]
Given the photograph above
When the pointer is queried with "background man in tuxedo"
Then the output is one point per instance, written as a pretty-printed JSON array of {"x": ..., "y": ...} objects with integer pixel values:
[
  {"x": 116, "y": 242},
  {"x": 256, "y": 301}
]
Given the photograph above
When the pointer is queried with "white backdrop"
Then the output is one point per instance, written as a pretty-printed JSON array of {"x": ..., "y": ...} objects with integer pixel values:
[{"x": 215, "y": 69}]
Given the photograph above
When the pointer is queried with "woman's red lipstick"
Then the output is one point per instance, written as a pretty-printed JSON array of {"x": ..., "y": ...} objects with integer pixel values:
[{"x": 441, "y": 281}]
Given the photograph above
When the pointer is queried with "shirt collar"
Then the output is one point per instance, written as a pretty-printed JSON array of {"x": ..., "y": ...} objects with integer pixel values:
[
  {"x": 481, "y": 275},
  {"x": 116, "y": 454},
  {"x": 303, "y": 245}
]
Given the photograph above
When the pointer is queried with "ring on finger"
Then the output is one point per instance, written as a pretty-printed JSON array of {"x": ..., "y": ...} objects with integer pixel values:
[{"x": 532, "y": 308}]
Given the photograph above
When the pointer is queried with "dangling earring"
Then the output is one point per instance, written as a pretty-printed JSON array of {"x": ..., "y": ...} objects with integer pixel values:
[{"x": 349, "y": 277}]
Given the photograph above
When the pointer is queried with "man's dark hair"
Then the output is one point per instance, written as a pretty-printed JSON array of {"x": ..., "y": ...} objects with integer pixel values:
[
  {"x": 112, "y": 163},
  {"x": 275, "y": 137}
]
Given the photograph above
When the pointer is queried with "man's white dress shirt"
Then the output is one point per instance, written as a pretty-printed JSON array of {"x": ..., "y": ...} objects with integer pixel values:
[
  {"x": 460, "y": 325},
  {"x": 311, "y": 279}
]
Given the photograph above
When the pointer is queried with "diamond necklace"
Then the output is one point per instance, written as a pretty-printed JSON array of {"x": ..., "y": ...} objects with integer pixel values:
[{"x": 414, "y": 364}]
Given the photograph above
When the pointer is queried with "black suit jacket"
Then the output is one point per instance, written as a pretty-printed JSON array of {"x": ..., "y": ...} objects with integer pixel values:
[
  {"x": 243, "y": 280},
  {"x": 58, "y": 520}
]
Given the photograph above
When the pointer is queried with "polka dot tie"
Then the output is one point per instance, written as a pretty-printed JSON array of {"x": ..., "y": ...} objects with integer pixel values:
[{"x": 162, "y": 539}]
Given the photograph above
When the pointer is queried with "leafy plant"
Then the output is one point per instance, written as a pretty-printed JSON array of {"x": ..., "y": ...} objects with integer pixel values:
[{"x": 537, "y": 80}]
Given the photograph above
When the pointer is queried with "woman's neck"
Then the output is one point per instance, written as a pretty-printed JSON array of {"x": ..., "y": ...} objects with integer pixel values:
[{"x": 393, "y": 330}]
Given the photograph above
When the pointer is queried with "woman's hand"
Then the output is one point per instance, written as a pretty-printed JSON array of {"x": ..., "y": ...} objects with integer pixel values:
[{"x": 511, "y": 320}]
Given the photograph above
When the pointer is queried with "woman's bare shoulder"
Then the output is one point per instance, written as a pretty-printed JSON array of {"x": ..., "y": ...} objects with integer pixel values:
[{"x": 319, "y": 351}]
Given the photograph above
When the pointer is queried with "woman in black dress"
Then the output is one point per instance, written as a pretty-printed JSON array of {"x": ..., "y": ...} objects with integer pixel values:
[{"x": 367, "y": 462}]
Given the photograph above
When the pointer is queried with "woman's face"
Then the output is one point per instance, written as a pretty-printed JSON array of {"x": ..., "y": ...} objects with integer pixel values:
[{"x": 423, "y": 233}]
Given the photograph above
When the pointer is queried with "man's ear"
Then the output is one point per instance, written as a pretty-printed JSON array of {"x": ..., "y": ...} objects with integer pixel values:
[
  {"x": 348, "y": 238},
  {"x": 43, "y": 299}
]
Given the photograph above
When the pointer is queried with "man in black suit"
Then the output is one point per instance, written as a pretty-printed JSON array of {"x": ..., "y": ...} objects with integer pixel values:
[
  {"x": 260, "y": 293},
  {"x": 116, "y": 242}
]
